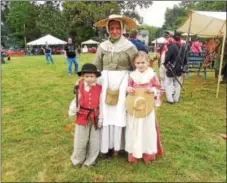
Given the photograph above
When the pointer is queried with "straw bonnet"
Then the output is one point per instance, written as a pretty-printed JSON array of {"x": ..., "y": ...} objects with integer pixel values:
[
  {"x": 128, "y": 22},
  {"x": 141, "y": 104}
]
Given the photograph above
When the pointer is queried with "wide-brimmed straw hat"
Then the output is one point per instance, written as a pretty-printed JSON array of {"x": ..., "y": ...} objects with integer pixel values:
[
  {"x": 128, "y": 22},
  {"x": 141, "y": 104}
]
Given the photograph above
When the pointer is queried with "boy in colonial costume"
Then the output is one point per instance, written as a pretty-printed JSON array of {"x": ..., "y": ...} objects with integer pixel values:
[
  {"x": 87, "y": 132},
  {"x": 142, "y": 132}
]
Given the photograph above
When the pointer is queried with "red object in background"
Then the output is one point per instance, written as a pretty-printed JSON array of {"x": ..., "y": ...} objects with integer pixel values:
[
  {"x": 59, "y": 51},
  {"x": 6, "y": 54},
  {"x": 92, "y": 50},
  {"x": 15, "y": 53}
]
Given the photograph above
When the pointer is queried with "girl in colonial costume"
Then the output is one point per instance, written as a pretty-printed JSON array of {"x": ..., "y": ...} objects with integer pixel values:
[
  {"x": 114, "y": 58},
  {"x": 87, "y": 132},
  {"x": 142, "y": 132}
]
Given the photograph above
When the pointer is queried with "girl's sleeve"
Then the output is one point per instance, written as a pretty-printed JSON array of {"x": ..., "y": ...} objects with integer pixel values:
[
  {"x": 130, "y": 82},
  {"x": 156, "y": 87}
]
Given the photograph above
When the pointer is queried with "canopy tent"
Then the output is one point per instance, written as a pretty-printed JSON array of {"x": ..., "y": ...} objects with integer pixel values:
[
  {"x": 207, "y": 24},
  {"x": 162, "y": 40},
  {"x": 159, "y": 40},
  {"x": 48, "y": 39},
  {"x": 90, "y": 41}
]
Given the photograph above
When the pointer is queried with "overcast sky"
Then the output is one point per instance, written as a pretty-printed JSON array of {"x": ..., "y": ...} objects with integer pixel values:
[{"x": 155, "y": 15}]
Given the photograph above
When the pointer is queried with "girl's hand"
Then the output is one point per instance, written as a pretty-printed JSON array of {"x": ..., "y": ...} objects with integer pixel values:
[
  {"x": 100, "y": 123},
  {"x": 152, "y": 90},
  {"x": 131, "y": 90}
]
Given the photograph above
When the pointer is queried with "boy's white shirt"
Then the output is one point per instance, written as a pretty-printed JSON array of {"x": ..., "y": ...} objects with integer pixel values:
[{"x": 86, "y": 86}]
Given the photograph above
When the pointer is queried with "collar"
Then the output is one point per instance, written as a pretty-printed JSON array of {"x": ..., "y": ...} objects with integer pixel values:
[
  {"x": 112, "y": 40},
  {"x": 121, "y": 45},
  {"x": 142, "y": 77},
  {"x": 87, "y": 87}
]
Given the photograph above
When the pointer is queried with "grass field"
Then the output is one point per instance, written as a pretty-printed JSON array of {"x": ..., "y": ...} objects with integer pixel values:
[{"x": 37, "y": 148}]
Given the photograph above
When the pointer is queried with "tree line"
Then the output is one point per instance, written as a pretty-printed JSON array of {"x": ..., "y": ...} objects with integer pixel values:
[{"x": 24, "y": 21}]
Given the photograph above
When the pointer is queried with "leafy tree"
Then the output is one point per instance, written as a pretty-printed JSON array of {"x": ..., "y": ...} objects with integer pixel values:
[
  {"x": 174, "y": 17},
  {"x": 128, "y": 8},
  {"x": 18, "y": 18},
  {"x": 151, "y": 29},
  {"x": 82, "y": 16},
  {"x": 4, "y": 26},
  {"x": 50, "y": 20}
]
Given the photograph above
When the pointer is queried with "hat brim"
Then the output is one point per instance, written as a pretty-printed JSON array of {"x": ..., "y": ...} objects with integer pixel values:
[
  {"x": 128, "y": 22},
  {"x": 97, "y": 73},
  {"x": 149, "y": 102}
]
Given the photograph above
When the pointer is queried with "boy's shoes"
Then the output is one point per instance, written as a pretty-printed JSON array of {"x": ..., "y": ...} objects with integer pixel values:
[
  {"x": 76, "y": 166},
  {"x": 123, "y": 153},
  {"x": 110, "y": 153},
  {"x": 106, "y": 155},
  {"x": 170, "y": 102},
  {"x": 88, "y": 166},
  {"x": 85, "y": 166}
]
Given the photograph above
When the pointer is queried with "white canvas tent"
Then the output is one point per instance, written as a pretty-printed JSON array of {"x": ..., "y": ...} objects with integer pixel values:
[
  {"x": 90, "y": 41},
  {"x": 159, "y": 40},
  {"x": 207, "y": 24},
  {"x": 48, "y": 39}
]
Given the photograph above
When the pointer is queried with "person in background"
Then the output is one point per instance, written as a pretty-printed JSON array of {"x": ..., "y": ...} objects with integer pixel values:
[
  {"x": 196, "y": 46},
  {"x": 133, "y": 37},
  {"x": 71, "y": 54},
  {"x": 47, "y": 52},
  {"x": 126, "y": 35},
  {"x": 2, "y": 57},
  {"x": 168, "y": 35},
  {"x": 175, "y": 64}
]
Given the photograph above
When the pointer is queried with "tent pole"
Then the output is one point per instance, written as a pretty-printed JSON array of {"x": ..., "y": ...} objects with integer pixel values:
[
  {"x": 187, "y": 40},
  {"x": 155, "y": 46},
  {"x": 220, "y": 66},
  {"x": 189, "y": 27}
]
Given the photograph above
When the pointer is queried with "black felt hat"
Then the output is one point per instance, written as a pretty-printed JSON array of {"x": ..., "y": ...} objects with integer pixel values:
[{"x": 89, "y": 68}]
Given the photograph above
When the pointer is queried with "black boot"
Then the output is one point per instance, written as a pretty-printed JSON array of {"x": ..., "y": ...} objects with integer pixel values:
[{"x": 110, "y": 153}]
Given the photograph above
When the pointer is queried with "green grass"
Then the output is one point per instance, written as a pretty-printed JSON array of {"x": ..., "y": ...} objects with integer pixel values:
[{"x": 36, "y": 147}]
